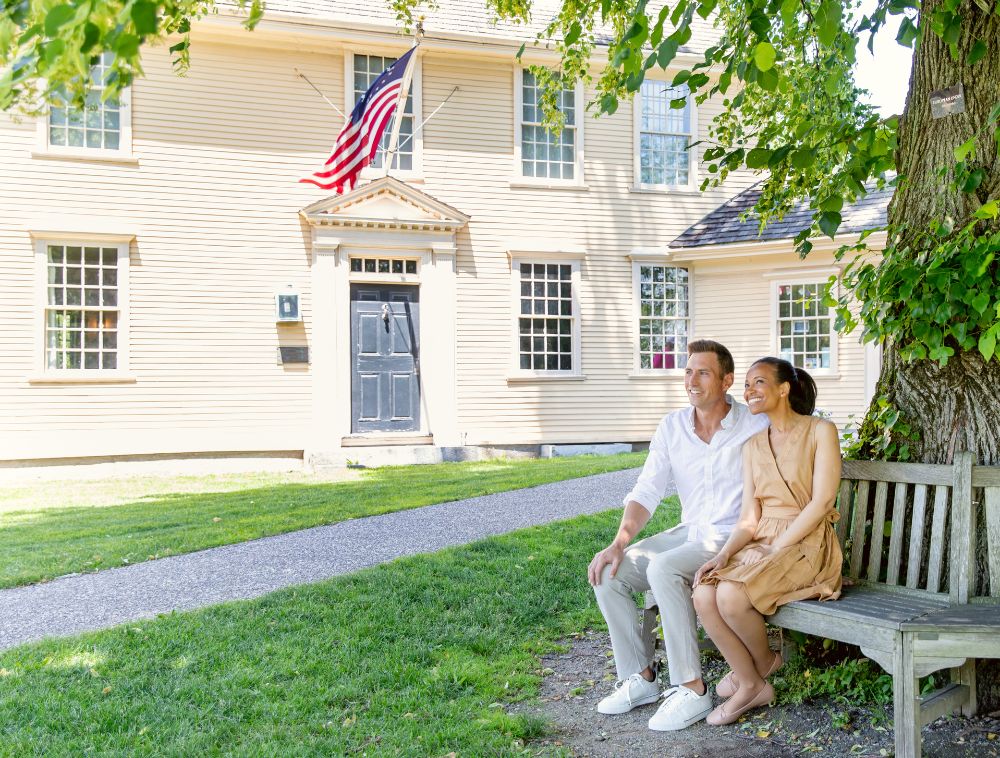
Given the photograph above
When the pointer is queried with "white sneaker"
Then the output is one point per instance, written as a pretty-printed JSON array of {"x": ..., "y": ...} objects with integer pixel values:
[
  {"x": 631, "y": 693},
  {"x": 681, "y": 707}
]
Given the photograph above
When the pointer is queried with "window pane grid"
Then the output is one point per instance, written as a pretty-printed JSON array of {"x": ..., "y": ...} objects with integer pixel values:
[
  {"x": 664, "y": 318},
  {"x": 368, "y": 68},
  {"x": 664, "y": 135},
  {"x": 545, "y": 326},
  {"x": 81, "y": 317},
  {"x": 805, "y": 328},
  {"x": 97, "y": 126},
  {"x": 543, "y": 153}
]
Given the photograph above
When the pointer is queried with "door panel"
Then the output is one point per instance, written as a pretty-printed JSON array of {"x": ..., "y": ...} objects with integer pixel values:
[{"x": 385, "y": 384}]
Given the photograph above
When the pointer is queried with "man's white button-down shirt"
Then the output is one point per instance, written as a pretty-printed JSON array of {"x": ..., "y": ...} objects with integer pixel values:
[{"x": 708, "y": 477}]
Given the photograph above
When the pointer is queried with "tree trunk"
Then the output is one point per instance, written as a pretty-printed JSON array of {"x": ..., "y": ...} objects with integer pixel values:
[{"x": 956, "y": 407}]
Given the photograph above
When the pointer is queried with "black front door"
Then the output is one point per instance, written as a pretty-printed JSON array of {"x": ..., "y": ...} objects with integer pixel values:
[{"x": 385, "y": 383}]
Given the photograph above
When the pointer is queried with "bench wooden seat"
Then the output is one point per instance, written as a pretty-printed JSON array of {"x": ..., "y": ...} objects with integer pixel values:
[{"x": 911, "y": 599}]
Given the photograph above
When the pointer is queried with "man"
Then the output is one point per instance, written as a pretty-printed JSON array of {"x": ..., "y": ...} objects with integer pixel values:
[{"x": 696, "y": 452}]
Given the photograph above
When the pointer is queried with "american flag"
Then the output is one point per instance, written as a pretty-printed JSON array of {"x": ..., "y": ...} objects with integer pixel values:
[{"x": 360, "y": 137}]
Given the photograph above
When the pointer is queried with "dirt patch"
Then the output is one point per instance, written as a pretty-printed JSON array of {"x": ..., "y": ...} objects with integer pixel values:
[{"x": 575, "y": 680}]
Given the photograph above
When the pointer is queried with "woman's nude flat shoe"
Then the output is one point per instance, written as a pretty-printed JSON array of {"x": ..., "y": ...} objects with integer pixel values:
[
  {"x": 720, "y": 716},
  {"x": 727, "y": 686}
]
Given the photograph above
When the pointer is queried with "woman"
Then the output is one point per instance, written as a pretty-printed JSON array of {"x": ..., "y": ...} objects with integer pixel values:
[{"x": 783, "y": 547}]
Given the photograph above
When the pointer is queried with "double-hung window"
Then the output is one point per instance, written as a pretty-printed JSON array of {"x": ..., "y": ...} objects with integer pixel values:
[
  {"x": 664, "y": 315},
  {"x": 102, "y": 128},
  {"x": 363, "y": 71},
  {"x": 542, "y": 154},
  {"x": 804, "y": 325},
  {"x": 84, "y": 302},
  {"x": 547, "y": 320},
  {"x": 663, "y": 136}
]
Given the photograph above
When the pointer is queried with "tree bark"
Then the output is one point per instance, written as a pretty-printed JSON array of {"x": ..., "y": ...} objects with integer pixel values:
[{"x": 955, "y": 407}]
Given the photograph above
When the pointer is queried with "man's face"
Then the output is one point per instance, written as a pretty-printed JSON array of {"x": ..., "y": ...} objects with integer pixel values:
[{"x": 704, "y": 381}]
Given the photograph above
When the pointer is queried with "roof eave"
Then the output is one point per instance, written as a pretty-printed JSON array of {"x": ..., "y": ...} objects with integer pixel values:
[{"x": 769, "y": 247}]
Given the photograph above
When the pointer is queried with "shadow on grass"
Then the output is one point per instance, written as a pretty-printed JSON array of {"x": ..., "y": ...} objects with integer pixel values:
[{"x": 50, "y": 542}]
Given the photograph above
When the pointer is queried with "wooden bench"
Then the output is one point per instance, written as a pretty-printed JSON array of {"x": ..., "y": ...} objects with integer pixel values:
[{"x": 910, "y": 599}]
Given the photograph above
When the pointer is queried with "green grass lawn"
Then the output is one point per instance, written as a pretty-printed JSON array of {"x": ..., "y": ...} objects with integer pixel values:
[
  {"x": 410, "y": 658},
  {"x": 48, "y": 530}
]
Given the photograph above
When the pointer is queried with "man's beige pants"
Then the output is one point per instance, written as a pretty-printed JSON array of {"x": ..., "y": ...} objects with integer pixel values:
[{"x": 666, "y": 564}]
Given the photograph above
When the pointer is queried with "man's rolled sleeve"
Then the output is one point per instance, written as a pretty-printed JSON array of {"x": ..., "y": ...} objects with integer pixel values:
[{"x": 657, "y": 479}]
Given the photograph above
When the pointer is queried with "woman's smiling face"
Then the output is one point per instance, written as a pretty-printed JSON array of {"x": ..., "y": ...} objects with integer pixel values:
[{"x": 762, "y": 391}]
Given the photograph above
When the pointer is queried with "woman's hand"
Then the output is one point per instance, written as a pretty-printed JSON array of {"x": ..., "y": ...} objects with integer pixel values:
[
  {"x": 718, "y": 562},
  {"x": 755, "y": 554}
]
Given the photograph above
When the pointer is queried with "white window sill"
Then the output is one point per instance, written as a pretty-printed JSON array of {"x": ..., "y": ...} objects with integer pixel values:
[
  {"x": 83, "y": 376},
  {"x": 670, "y": 373},
  {"x": 825, "y": 374},
  {"x": 527, "y": 183},
  {"x": 96, "y": 156},
  {"x": 553, "y": 376},
  {"x": 663, "y": 189}
]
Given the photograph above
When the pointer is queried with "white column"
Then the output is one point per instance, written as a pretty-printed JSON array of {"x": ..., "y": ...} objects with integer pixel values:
[
  {"x": 323, "y": 444},
  {"x": 437, "y": 339}
]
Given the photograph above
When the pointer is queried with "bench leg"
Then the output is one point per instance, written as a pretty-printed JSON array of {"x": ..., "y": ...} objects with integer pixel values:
[
  {"x": 649, "y": 626},
  {"x": 906, "y": 702},
  {"x": 966, "y": 674}
]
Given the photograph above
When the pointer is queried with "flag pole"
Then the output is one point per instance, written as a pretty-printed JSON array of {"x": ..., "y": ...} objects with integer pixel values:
[{"x": 397, "y": 116}]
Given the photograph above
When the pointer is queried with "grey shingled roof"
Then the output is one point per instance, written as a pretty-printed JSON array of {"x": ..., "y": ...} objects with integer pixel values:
[
  {"x": 460, "y": 17},
  {"x": 723, "y": 225}
]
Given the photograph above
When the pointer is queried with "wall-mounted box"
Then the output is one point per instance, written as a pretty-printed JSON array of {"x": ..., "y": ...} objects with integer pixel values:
[{"x": 286, "y": 306}]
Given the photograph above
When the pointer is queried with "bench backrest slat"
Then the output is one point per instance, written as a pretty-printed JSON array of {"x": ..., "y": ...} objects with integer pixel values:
[
  {"x": 896, "y": 535},
  {"x": 916, "y": 535},
  {"x": 878, "y": 531},
  {"x": 846, "y": 489},
  {"x": 961, "y": 567},
  {"x": 857, "y": 526},
  {"x": 937, "y": 532},
  {"x": 992, "y": 511}
]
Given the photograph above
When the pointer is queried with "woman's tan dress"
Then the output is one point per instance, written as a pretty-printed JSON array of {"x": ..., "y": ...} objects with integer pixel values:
[{"x": 783, "y": 485}]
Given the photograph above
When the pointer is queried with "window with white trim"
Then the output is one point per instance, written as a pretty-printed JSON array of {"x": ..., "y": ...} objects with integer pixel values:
[
  {"x": 547, "y": 323},
  {"x": 82, "y": 306},
  {"x": 664, "y": 316},
  {"x": 366, "y": 69},
  {"x": 664, "y": 135},
  {"x": 545, "y": 154},
  {"x": 805, "y": 325},
  {"x": 102, "y": 125}
]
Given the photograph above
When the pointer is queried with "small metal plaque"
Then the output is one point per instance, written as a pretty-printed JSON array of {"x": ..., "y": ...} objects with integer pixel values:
[
  {"x": 293, "y": 354},
  {"x": 948, "y": 101}
]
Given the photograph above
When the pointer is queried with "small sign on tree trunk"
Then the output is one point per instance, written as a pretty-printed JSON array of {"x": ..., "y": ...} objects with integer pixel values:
[{"x": 948, "y": 101}]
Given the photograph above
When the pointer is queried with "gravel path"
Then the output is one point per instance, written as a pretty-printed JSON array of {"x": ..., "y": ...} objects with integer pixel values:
[{"x": 86, "y": 602}]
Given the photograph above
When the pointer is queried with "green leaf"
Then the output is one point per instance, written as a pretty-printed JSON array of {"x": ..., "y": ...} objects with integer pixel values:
[
  {"x": 803, "y": 159},
  {"x": 520, "y": 50},
  {"x": 127, "y": 46},
  {"x": 573, "y": 34},
  {"x": 789, "y": 11},
  {"x": 91, "y": 33},
  {"x": 706, "y": 8},
  {"x": 828, "y": 17},
  {"x": 907, "y": 33},
  {"x": 988, "y": 210},
  {"x": 981, "y": 301},
  {"x": 965, "y": 149},
  {"x": 988, "y": 343},
  {"x": 768, "y": 79},
  {"x": 758, "y": 157},
  {"x": 666, "y": 52},
  {"x": 57, "y": 17},
  {"x": 828, "y": 222},
  {"x": 144, "y": 17},
  {"x": 832, "y": 203},
  {"x": 973, "y": 181},
  {"x": 976, "y": 53},
  {"x": 764, "y": 56}
]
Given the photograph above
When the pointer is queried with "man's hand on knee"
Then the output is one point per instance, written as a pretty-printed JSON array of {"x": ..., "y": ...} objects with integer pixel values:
[{"x": 610, "y": 556}]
